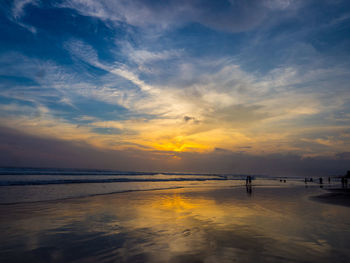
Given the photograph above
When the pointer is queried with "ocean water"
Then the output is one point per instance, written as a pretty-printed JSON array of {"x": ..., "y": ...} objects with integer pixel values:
[{"x": 31, "y": 185}]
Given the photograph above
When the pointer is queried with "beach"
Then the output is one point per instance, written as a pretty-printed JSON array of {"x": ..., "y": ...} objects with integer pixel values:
[
  {"x": 262, "y": 223},
  {"x": 338, "y": 196},
  {"x": 174, "y": 131}
]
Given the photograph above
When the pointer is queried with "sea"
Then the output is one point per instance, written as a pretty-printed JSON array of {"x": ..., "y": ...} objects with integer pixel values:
[
  {"x": 19, "y": 185},
  {"x": 74, "y": 215}
]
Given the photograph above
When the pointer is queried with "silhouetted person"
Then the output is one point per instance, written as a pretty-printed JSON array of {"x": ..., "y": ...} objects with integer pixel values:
[
  {"x": 311, "y": 180},
  {"x": 343, "y": 182},
  {"x": 329, "y": 180},
  {"x": 321, "y": 180},
  {"x": 284, "y": 181},
  {"x": 248, "y": 180},
  {"x": 305, "y": 180}
]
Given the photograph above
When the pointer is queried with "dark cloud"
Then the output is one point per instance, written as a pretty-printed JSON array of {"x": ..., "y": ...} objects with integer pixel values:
[
  {"x": 218, "y": 149},
  {"x": 343, "y": 156},
  {"x": 188, "y": 119},
  {"x": 19, "y": 149}
]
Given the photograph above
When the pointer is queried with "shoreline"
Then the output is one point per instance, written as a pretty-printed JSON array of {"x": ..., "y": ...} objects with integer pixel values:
[
  {"x": 91, "y": 195},
  {"x": 338, "y": 196},
  {"x": 322, "y": 197},
  {"x": 41, "y": 193}
]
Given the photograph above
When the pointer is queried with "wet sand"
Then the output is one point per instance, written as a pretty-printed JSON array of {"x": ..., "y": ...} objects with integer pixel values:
[
  {"x": 338, "y": 196},
  {"x": 217, "y": 224}
]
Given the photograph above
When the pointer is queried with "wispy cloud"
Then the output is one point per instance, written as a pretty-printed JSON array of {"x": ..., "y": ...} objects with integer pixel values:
[
  {"x": 17, "y": 12},
  {"x": 181, "y": 76},
  {"x": 19, "y": 6},
  {"x": 230, "y": 107},
  {"x": 232, "y": 16}
]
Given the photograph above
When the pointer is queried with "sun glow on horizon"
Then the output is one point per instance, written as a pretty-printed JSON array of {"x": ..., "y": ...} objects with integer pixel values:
[{"x": 144, "y": 80}]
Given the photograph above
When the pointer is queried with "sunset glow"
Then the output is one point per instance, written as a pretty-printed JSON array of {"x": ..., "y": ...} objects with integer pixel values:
[{"x": 153, "y": 79}]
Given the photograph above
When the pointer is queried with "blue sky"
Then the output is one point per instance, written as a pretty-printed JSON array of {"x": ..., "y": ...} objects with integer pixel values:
[{"x": 179, "y": 80}]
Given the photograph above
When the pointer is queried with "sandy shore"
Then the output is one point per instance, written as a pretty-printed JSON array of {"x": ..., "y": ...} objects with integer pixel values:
[
  {"x": 338, "y": 196},
  {"x": 218, "y": 224}
]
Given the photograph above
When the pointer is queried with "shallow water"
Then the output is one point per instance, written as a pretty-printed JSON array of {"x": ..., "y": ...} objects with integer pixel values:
[
  {"x": 32, "y": 185},
  {"x": 213, "y": 224}
]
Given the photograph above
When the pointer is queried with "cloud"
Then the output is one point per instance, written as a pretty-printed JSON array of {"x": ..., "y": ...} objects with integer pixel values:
[
  {"x": 79, "y": 49},
  {"x": 238, "y": 114},
  {"x": 18, "y": 9},
  {"x": 151, "y": 92},
  {"x": 224, "y": 92},
  {"x": 188, "y": 118},
  {"x": 245, "y": 147},
  {"x": 29, "y": 150},
  {"x": 135, "y": 13},
  {"x": 144, "y": 56},
  {"x": 17, "y": 12},
  {"x": 343, "y": 156},
  {"x": 224, "y": 106},
  {"x": 107, "y": 130},
  {"x": 86, "y": 53},
  {"x": 231, "y": 16}
]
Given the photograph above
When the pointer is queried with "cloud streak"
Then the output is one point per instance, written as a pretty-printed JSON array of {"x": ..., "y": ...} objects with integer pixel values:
[
  {"x": 22, "y": 150},
  {"x": 231, "y": 16},
  {"x": 180, "y": 78}
]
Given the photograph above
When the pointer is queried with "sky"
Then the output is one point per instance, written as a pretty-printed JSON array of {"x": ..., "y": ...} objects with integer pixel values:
[{"x": 234, "y": 86}]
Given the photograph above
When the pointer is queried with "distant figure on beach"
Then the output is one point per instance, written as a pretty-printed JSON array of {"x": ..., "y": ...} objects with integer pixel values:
[
  {"x": 344, "y": 179},
  {"x": 305, "y": 180},
  {"x": 248, "y": 180},
  {"x": 321, "y": 180},
  {"x": 329, "y": 180},
  {"x": 343, "y": 182},
  {"x": 284, "y": 181},
  {"x": 311, "y": 180}
]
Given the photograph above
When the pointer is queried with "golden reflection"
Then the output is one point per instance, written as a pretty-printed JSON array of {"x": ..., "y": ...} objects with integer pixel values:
[
  {"x": 181, "y": 206},
  {"x": 165, "y": 224},
  {"x": 176, "y": 203}
]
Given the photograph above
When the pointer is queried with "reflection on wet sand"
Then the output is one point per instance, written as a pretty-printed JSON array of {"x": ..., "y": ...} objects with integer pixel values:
[{"x": 182, "y": 225}]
